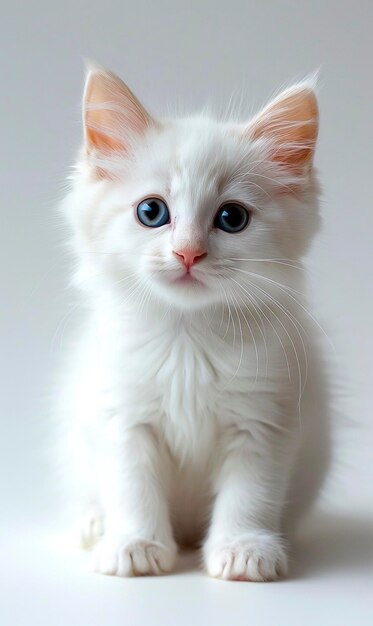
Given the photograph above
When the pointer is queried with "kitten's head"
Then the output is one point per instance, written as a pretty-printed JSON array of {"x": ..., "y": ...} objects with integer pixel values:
[{"x": 189, "y": 211}]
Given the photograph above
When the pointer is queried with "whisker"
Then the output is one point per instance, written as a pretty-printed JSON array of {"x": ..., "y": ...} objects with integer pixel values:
[
  {"x": 254, "y": 342},
  {"x": 278, "y": 261},
  {"x": 256, "y": 322},
  {"x": 207, "y": 322},
  {"x": 242, "y": 344},
  {"x": 287, "y": 291},
  {"x": 229, "y": 310},
  {"x": 61, "y": 326},
  {"x": 271, "y": 324},
  {"x": 281, "y": 286},
  {"x": 274, "y": 180},
  {"x": 289, "y": 316}
]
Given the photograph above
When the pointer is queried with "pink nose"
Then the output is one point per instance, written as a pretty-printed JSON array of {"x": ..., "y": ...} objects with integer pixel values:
[{"x": 189, "y": 257}]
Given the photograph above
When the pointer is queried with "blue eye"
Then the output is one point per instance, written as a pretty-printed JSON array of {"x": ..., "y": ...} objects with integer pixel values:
[
  {"x": 232, "y": 218},
  {"x": 153, "y": 212}
]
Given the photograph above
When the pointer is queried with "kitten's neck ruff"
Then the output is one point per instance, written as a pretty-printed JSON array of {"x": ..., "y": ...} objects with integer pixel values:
[{"x": 226, "y": 324}]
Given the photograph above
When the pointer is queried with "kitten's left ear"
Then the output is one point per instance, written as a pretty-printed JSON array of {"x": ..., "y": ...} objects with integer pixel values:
[
  {"x": 289, "y": 126},
  {"x": 112, "y": 115}
]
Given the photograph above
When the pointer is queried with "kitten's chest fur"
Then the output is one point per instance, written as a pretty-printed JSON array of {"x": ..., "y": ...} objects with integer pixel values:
[{"x": 187, "y": 378}]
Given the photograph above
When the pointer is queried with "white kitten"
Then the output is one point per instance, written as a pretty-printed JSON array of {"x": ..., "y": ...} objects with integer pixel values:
[{"x": 191, "y": 420}]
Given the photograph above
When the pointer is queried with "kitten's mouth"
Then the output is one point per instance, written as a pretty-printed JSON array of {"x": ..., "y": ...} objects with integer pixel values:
[{"x": 188, "y": 279}]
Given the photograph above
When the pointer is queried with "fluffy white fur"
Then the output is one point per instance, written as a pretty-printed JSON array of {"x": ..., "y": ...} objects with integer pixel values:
[{"x": 195, "y": 410}]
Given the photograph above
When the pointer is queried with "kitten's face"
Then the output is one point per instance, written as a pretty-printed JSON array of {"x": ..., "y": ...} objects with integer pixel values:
[{"x": 194, "y": 211}]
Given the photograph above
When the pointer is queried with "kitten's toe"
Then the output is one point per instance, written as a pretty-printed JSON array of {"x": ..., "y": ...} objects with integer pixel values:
[
  {"x": 125, "y": 556},
  {"x": 91, "y": 527},
  {"x": 257, "y": 556}
]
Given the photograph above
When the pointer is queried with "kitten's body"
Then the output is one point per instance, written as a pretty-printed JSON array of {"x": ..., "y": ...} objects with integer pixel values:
[
  {"x": 187, "y": 377},
  {"x": 185, "y": 396}
]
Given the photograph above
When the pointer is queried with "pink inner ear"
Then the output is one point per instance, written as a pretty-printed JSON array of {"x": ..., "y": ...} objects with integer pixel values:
[
  {"x": 112, "y": 114},
  {"x": 290, "y": 124}
]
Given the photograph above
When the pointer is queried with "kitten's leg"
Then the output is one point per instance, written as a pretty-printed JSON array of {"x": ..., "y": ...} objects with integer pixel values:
[
  {"x": 244, "y": 541},
  {"x": 138, "y": 537}
]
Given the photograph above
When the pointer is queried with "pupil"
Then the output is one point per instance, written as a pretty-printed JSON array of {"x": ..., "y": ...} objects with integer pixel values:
[
  {"x": 152, "y": 210},
  {"x": 232, "y": 217}
]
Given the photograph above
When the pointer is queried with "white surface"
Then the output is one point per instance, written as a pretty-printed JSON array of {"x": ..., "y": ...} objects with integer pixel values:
[
  {"x": 171, "y": 52},
  {"x": 330, "y": 584}
]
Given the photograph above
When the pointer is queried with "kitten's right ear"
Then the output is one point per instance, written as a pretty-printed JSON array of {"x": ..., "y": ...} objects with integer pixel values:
[{"x": 112, "y": 116}]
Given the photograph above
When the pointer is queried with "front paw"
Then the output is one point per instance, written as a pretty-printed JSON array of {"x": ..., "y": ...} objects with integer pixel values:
[
  {"x": 128, "y": 556},
  {"x": 255, "y": 556}
]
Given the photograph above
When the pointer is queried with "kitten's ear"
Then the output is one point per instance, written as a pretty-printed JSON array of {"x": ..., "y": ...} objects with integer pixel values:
[
  {"x": 289, "y": 125},
  {"x": 112, "y": 115}
]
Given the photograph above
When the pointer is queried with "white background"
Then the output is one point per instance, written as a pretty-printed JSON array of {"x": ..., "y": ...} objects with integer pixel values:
[{"x": 178, "y": 55}]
